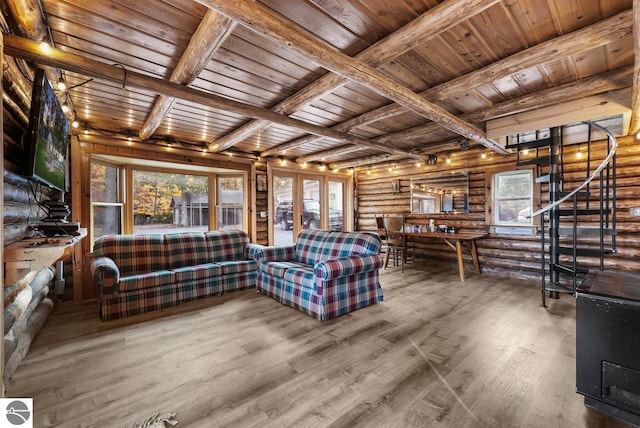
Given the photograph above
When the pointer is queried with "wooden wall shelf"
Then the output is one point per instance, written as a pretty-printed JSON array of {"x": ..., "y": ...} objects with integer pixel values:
[{"x": 37, "y": 253}]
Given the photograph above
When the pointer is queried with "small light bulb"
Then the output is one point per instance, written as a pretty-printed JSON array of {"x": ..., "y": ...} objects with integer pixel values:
[
  {"x": 65, "y": 107},
  {"x": 45, "y": 48},
  {"x": 483, "y": 155}
]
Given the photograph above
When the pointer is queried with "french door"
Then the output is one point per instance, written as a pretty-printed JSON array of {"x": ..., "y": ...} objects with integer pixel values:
[{"x": 305, "y": 201}]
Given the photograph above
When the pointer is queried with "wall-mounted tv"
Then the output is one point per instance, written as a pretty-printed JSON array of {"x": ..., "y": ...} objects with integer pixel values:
[{"x": 47, "y": 135}]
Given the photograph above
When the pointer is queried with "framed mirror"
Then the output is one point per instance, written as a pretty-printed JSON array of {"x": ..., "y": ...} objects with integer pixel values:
[{"x": 441, "y": 193}]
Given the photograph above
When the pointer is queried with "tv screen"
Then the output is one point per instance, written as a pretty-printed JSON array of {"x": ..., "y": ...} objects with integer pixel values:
[{"x": 47, "y": 134}]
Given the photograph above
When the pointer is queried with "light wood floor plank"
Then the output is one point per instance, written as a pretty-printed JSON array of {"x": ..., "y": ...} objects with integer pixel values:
[{"x": 436, "y": 353}]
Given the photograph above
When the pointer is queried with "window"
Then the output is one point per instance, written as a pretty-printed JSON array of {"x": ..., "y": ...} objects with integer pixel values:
[
  {"x": 134, "y": 196},
  {"x": 169, "y": 202},
  {"x": 512, "y": 200},
  {"x": 231, "y": 202},
  {"x": 106, "y": 201}
]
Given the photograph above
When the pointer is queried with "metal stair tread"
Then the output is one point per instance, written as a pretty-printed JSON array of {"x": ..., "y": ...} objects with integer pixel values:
[
  {"x": 544, "y": 142},
  {"x": 535, "y": 161},
  {"x": 583, "y": 211},
  {"x": 580, "y": 270},
  {"x": 587, "y": 231},
  {"x": 586, "y": 252},
  {"x": 559, "y": 288}
]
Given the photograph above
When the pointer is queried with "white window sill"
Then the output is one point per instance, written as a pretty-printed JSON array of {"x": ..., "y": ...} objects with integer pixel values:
[{"x": 514, "y": 230}]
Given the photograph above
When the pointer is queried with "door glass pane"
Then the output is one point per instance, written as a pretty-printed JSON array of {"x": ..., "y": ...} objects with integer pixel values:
[
  {"x": 311, "y": 213},
  {"x": 336, "y": 205},
  {"x": 169, "y": 202},
  {"x": 231, "y": 206},
  {"x": 283, "y": 206}
]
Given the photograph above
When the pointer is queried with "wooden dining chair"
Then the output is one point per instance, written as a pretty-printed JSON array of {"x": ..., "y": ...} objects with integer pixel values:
[
  {"x": 382, "y": 232},
  {"x": 396, "y": 243}
]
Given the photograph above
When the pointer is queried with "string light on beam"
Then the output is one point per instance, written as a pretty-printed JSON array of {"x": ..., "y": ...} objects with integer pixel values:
[{"x": 45, "y": 48}]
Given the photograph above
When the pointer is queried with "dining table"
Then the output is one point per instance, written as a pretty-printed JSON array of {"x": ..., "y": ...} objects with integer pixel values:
[{"x": 455, "y": 240}]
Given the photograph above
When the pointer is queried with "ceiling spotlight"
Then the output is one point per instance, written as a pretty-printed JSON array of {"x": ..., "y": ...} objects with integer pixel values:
[
  {"x": 65, "y": 107},
  {"x": 75, "y": 123},
  {"x": 483, "y": 155},
  {"x": 418, "y": 164}
]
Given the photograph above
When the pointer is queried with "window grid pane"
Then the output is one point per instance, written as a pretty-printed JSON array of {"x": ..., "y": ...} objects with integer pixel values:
[{"x": 513, "y": 198}]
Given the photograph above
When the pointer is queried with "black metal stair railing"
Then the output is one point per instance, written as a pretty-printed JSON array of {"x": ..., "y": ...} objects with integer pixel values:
[{"x": 573, "y": 242}]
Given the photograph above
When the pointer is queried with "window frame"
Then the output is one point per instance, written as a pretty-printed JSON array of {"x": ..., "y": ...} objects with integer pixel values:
[{"x": 490, "y": 200}]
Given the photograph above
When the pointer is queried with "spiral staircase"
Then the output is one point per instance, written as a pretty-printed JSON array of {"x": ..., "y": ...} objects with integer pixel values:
[{"x": 578, "y": 226}]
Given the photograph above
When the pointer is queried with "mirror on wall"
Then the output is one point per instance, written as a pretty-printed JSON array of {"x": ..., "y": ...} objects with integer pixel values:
[{"x": 441, "y": 193}]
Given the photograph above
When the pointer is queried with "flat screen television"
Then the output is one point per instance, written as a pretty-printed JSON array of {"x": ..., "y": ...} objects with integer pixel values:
[{"x": 47, "y": 135}]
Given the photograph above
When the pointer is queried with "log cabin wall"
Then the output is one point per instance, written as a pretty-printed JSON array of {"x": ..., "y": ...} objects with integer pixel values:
[
  {"x": 26, "y": 304},
  {"x": 501, "y": 254},
  {"x": 21, "y": 211}
]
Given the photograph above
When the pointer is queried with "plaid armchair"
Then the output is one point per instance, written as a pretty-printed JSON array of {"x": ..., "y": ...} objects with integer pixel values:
[{"x": 325, "y": 274}]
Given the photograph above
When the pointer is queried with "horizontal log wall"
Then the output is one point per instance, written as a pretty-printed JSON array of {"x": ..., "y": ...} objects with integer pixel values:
[{"x": 499, "y": 253}]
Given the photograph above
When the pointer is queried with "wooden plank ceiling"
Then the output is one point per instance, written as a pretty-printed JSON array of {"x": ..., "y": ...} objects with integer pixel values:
[{"x": 343, "y": 82}]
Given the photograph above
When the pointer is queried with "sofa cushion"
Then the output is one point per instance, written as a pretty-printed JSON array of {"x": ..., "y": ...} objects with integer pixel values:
[
  {"x": 197, "y": 272},
  {"x": 133, "y": 254},
  {"x": 224, "y": 245},
  {"x": 308, "y": 245},
  {"x": 279, "y": 268},
  {"x": 303, "y": 276},
  {"x": 345, "y": 244},
  {"x": 237, "y": 266},
  {"x": 185, "y": 249},
  {"x": 158, "y": 278}
]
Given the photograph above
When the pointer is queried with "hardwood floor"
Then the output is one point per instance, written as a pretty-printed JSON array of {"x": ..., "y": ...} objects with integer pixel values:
[{"x": 436, "y": 353}]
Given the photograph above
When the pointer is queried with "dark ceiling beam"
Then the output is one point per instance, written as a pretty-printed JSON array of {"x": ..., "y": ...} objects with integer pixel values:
[
  {"x": 263, "y": 21},
  {"x": 28, "y": 49},
  {"x": 210, "y": 34}
]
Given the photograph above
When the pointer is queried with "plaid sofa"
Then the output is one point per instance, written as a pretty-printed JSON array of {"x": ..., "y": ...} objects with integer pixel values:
[
  {"x": 140, "y": 273},
  {"x": 325, "y": 274}
]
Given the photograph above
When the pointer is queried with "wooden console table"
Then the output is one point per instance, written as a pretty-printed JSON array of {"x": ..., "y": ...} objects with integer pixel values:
[
  {"x": 37, "y": 253},
  {"x": 455, "y": 241}
]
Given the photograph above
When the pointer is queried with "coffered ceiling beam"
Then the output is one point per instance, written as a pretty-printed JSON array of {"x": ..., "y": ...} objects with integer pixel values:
[
  {"x": 211, "y": 33},
  {"x": 28, "y": 49},
  {"x": 428, "y": 25},
  {"x": 599, "y": 34},
  {"x": 260, "y": 19},
  {"x": 620, "y": 78}
]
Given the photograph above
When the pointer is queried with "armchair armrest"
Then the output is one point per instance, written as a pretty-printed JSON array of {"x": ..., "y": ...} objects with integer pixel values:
[
  {"x": 344, "y": 266},
  {"x": 106, "y": 275},
  {"x": 251, "y": 250},
  {"x": 276, "y": 253}
]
